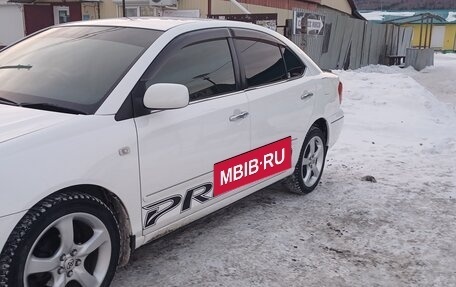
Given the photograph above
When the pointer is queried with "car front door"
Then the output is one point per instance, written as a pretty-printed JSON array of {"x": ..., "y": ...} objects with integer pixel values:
[{"x": 178, "y": 148}]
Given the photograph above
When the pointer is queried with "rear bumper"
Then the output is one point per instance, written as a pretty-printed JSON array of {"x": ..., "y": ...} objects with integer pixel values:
[{"x": 336, "y": 122}]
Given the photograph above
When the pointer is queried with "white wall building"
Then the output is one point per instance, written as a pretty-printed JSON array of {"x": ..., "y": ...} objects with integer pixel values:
[{"x": 11, "y": 23}]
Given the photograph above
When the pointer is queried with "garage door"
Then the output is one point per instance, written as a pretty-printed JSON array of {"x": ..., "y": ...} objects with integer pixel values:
[
  {"x": 38, "y": 17},
  {"x": 11, "y": 24},
  {"x": 438, "y": 36}
]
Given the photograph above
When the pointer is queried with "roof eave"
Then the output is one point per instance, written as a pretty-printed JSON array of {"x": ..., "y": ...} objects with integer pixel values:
[{"x": 355, "y": 12}]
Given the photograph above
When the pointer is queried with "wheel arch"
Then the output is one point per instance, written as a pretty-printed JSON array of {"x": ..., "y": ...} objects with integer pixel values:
[
  {"x": 120, "y": 211},
  {"x": 323, "y": 125}
]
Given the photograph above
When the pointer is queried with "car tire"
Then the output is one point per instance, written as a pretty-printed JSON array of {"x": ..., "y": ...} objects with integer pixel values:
[
  {"x": 67, "y": 237},
  {"x": 311, "y": 163}
]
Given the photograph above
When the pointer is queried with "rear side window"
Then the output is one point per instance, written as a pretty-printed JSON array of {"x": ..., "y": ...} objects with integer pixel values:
[
  {"x": 295, "y": 67},
  {"x": 262, "y": 62},
  {"x": 206, "y": 69}
]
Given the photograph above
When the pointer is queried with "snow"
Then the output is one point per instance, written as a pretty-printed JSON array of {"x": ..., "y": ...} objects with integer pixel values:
[
  {"x": 380, "y": 15},
  {"x": 436, "y": 79},
  {"x": 451, "y": 17},
  {"x": 439, "y": 79},
  {"x": 399, "y": 231}
]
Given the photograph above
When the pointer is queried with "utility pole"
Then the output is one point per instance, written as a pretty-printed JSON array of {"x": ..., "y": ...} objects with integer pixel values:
[
  {"x": 124, "y": 13},
  {"x": 209, "y": 8}
]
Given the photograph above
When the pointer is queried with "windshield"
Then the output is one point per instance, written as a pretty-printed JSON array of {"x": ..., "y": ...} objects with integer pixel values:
[{"x": 70, "y": 68}]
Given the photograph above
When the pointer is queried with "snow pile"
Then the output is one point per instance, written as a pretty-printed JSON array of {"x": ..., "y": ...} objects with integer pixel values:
[
  {"x": 388, "y": 107},
  {"x": 451, "y": 16},
  {"x": 437, "y": 79},
  {"x": 381, "y": 69},
  {"x": 380, "y": 15}
]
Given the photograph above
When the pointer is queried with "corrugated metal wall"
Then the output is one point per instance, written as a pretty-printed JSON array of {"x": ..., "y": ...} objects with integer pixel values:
[{"x": 350, "y": 43}]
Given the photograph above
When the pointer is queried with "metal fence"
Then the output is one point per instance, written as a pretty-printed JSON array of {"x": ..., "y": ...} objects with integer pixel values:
[{"x": 348, "y": 43}]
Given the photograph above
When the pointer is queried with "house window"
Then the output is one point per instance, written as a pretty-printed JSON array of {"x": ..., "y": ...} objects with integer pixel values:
[{"x": 61, "y": 14}]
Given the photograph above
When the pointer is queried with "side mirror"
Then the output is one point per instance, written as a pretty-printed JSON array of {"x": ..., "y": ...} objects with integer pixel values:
[{"x": 166, "y": 97}]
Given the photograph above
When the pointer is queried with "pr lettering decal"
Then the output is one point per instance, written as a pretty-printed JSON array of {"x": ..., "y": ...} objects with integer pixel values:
[{"x": 161, "y": 207}]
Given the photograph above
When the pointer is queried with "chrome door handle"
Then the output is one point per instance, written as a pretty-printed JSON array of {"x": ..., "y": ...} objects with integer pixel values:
[
  {"x": 240, "y": 116},
  {"x": 306, "y": 95}
]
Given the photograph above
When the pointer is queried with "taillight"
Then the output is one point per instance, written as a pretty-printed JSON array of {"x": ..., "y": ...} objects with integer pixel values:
[{"x": 340, "y": 89}]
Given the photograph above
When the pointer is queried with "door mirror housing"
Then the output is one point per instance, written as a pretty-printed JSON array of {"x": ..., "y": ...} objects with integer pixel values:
[{"x": 166, "y": 97}]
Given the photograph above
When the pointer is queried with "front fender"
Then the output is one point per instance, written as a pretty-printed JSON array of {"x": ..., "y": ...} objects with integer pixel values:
[{"x": 81, "y": 151}]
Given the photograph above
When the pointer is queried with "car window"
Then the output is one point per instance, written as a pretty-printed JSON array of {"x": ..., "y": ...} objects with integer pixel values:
[
  {"x": 206, "y": 69},
  {"x": 295, "y": 67},
  {"x": 262, "y": 62}
]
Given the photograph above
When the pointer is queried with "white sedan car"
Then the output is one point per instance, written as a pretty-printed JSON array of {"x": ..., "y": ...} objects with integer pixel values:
[{"x": 116, "y": 132}]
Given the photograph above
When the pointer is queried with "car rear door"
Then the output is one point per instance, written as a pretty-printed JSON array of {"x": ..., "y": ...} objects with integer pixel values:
[
  {"x": 178, "y": 148},
  {"x": 281, "y": 99}
]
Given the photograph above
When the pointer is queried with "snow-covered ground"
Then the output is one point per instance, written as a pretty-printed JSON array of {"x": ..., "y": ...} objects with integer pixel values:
[
  {"x": 400, "y": 231},
  {"x": 440, "y": 79}
]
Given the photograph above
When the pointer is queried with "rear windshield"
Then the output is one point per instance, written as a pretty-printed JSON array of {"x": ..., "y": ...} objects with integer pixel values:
[{"x": 71, "y": 67}]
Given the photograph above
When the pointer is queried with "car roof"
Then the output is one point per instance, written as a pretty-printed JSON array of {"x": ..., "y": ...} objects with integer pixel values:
[
  {"x": 162, "y": 23},
  {"x": 176, "y": 26}
]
